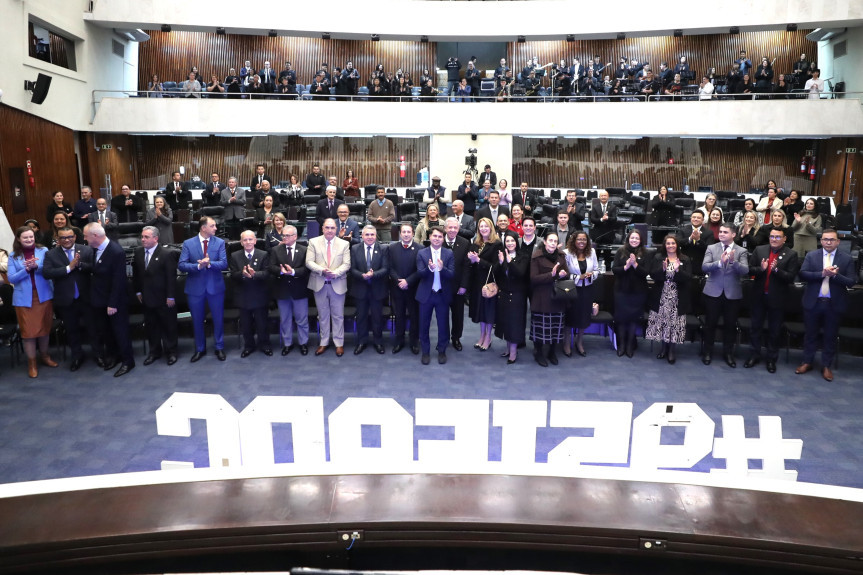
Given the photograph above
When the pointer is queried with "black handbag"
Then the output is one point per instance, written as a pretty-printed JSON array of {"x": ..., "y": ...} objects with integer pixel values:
[{"x": 564, "y": 290}]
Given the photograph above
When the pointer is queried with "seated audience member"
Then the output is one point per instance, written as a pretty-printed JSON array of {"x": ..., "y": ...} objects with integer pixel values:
[
  {"x": 782, "y": 87},
  {"x": 233, "y": 84},
  {"x": 192, "y": 87},
  {"x": 428, "y": 91},
  {"x": 154, "y": 87},
  {"x": 505, "y": 193},
  {"x": 215, "y": 86},
  {"x": 254, "y": 86},
  {"x": 745, "y": 86},
  {"x": 320, "y": 87},
  {"x": 674, "y": 87},
  {"x": 463, "y": 92}
]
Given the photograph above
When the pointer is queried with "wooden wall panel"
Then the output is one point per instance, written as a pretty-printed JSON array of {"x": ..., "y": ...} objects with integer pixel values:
[
  {"x": 52, "y": 154},
  {"x": 703, "y": 51},
  {"x": 834, "y": 173},
  {"x": 118, "y": 162},
  {"x": 172, "y": 55},
  {"x": 374, "y": 160},
  {"x": 736, "y": 165}
]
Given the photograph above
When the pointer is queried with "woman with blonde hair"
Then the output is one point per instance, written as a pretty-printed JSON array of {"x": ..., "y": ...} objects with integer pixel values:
[
  {"x": 482, "y": 259},
  {"x": 432, "y": 218}
]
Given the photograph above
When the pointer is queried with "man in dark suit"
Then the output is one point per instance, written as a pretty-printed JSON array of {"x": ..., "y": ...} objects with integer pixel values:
[
  {"x": 348, "y": 229},
  {"x": 493, "y": 209},
  {"x": 468, "y": 193},
  {"x": 290, "y": 286},
  {"x": 204, "y": 259},
  {"x": 258, "y": 182},
  {"x": 369, "y": 272},
  {"x": 268, "y": 77},
  {"x": 177, "y": 192},
  {"x": 488, "y": 176},
  {"x": 576, "y": 212},
  {"x": 403, "y": 288},
  {"x": 436, "y": 267},
  {"x": 725, "y": 264},
  {"x": 154, "y": 277},
  {"x": 466, "y": 223},
  {"x": 106, "y": 217},
  {"x": 334, "y": 181},
  {"x": 327, "y": 209},
  {"x": 774, "y": 267},
  {"x": 69, "y": 266},
  {"x": 126, "y": 206},
  {"x": 250, "y": 273},
  {"x": 212, "y": 195},
  {"x": 828, "y": 274},
  {"x": 316, "y": 184},
  {"x": 459, "y": 246},
  {"x": 260, "y": 195},
  {"x": 526, "y": 197},
  {"x": 694, "y": 239},
  {"x": 603, "y": 219},
  {"x": 109, "y": 302}
]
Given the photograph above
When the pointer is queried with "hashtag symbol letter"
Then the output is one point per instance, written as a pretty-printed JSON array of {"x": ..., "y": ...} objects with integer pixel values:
[{"x": 736, "y": 449}]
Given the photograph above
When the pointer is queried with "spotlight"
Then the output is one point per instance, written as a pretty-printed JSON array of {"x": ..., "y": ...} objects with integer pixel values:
[
  {"x": 424, "y": 39},
  {"x": 220, "y": 31},
  {"x": 734, "y": 30},
  {"x": 570, "y": 37},
  {"x": 678, "y": 33},
  {"x": 376, "y": 38},
  {"x": 273, "y": 34},
  {"x": 521, "y": 40},
  {"x": 621, "y": 36},
  {"x": 325, "y": 35},
  {"x": 166, "y": 28},
  {"x": 791, "y": 28}
]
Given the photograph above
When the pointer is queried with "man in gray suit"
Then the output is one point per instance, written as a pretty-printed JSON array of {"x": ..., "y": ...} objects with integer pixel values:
[
  {"x": 725, "y": 264},
  {"x": 234, "y": 202}
]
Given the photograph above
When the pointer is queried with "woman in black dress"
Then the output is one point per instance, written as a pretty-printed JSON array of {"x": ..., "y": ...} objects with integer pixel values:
[
  {"x": 547, "y": 266},
  {"x": 482, "y": 256},
  {"x": 669, "y": 300},
  {"x": 662, "y": 208},
  {"x": 630, "y": 269},
  {"x": 512, "y": 274},
  {"x": 582, "y": 262}
]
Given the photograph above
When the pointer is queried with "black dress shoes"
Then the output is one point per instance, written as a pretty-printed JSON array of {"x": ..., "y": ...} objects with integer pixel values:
[
  {"x": 359, "y": 349},
  {"x": 752, "y": 362},
  {"x": 197, "y": 356},
  {"x": 110, "y": 364},
  {"x": 456, "y": 344},
  {"x": 172, "y": 359},
  {"x": 287, "y": 349},
  {"x": 729, "y": 359},
  {"x": 268, "y": 352},
  {"x": 150, "y": 359},
  {"x": 441, "y": 358},
  {"x": 379, "y": 348},
  {"x": 246, "y": 353},
  {"x": 100, "y": 362},
  {"x": 661, "y": 355},
  {"x": 124, "y": 369},
  {"x": 426, "y": 359},
  {"x": 398, "y": 347},
  {"x": 771, "y": 366},
  {"x": 706, "y": 359},
  {"x": 304, "y": 349},
  {"x": 76, "y": 364},
  {"x": 415, "y": 348},
  {"x": 220, "y": 354}
]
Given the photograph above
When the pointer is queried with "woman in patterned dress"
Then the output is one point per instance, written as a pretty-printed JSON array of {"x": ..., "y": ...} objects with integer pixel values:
[{"x": 669, "y": 301}]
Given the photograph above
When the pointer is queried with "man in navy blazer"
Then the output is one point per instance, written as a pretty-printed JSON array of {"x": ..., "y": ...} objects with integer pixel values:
[
  {"x": 346, "y": 228},
  {"x": 404, "y": 278},
  {"x": 369, "y": 271},
  {"x": 290, "y": 286},
  {"x": 828, "y": 274},
  {"x": 436, "y": 268},
  {"x": 71, "y": 277},
  {"x": 154, "y": 277},
  {"x": 203, "y": 258},
  {"x": 327, "y": 208},
  {"x": 109, "y": 300},
  {"x": 250, "y": 273}
]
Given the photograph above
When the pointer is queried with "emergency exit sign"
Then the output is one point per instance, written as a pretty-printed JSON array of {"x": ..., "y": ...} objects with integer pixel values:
[
  {"x": 850, "y": 150},
  {"x": 107, "y": 146}
]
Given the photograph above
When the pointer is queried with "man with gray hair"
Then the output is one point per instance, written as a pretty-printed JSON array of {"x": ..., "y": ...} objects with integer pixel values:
[
  {"x": 233, "y": 199},
  {"x": 154, "y": 277},
  {"x": 369, "y": 270},
  {"x": 291, "y": 277},
  {"x": 329, "y": 261}
]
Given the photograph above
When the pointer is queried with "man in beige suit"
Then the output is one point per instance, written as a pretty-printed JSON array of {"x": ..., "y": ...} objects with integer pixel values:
[{"x": 328, "y": 260}]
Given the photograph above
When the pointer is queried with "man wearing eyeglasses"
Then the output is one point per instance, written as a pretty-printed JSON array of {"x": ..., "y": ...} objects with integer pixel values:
[{"x": 828, "y": 274}]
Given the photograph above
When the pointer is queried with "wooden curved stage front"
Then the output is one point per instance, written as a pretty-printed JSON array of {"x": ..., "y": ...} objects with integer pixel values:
[{"x": 429, "y": 522}]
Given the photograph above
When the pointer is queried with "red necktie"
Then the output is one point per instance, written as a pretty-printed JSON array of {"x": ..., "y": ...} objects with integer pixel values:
[{"x": 206, "y": 243}]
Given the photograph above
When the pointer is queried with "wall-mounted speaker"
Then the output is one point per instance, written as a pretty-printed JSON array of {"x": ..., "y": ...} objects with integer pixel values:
[{"x": 39, "y": 88}]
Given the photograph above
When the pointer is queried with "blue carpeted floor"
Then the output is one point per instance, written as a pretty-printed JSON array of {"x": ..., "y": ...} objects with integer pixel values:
[{"x": 64, "y": 424}]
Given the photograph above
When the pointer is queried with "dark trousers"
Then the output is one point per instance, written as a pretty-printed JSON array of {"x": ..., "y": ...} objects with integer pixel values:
[
  {"x": 76, "y": 331},
  {"x": 440, "y": 306},
  {"x": 727, "y": 309},
  {"x": 405, "y": 305},
  {"x": 456, "y": 307},
  {"x": 252, "y": 322},
  {"x": 374, "y": 306},
  {"x": 757, "y": 314},
  {"x": 161, "y": 325},
  {"x": 233, "y": 229},
  {"x": 110, "y": 335},
  {"x": 821, "y": 317}
]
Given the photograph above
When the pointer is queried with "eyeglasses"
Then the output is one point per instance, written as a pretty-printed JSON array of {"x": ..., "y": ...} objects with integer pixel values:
[
  {"x": 66, "y": 237},
  {"x": 829, "y": 240}
]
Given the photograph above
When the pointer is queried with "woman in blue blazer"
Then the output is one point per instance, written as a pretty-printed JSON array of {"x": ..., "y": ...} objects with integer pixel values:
[{"x": 32, "y": 297}]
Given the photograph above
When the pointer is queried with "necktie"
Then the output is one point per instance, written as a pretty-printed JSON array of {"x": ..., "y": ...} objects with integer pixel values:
[
  {"x": 146, "y": 259},
  {"x": 331, "y": 205},
  {"x": 329, "y": 253},
  {"x": 249, "y": 255},
  {"x": 102, "y": 218},
  {"x": 260, "y": 179},
  {"x": 436, "y": 282},
  {"x": 206, "y": 244},
  {"x": 290, "y": 254},
  {"x": 71, "y": 255},
  {"x": 176, "y": 187},
  {"x": 825, "y": 283},
  {"x": 603, "y": 209},
  {"x": 369, "y": 256}
]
